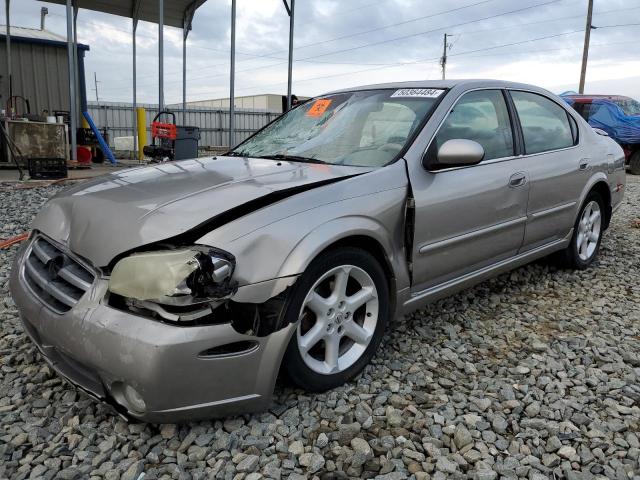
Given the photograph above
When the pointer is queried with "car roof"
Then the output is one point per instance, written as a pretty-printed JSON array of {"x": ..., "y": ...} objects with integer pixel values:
[
  {"x": 597, "y": 97},
  {"x": 448, "y": 84}
]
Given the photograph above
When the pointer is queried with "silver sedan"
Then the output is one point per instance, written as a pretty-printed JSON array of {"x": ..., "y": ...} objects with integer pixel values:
[{"x": 181, "y": 290}]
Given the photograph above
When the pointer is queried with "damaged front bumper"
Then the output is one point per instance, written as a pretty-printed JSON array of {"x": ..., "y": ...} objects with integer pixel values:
[{"x": 150, "y": 370}]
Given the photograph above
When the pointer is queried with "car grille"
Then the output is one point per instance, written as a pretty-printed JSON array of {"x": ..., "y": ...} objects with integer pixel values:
[{"x": 58, "y": 280}]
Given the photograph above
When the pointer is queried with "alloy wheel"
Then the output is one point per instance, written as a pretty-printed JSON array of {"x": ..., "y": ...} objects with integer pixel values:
[
  {"x": 338, "y": 319},
  {"x": 589, "y": 229}
]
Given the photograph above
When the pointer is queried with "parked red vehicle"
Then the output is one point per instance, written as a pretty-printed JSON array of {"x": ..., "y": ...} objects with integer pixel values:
[{"x": 618, "y": 116}]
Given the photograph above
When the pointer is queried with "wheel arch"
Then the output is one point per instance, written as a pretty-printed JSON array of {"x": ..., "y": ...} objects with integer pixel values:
[
  {"x": 358, "y": 232},
  {"x": 375, "y": 248},
  {"x": 602, "y": 188},
  {"x": 598, "y": 184}
]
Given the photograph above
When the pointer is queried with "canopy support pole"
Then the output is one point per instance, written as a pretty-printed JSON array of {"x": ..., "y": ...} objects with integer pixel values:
[
  {"x": 73, "y": 108},
  {"x": 184, "y": 77},
  {"x": 186, "y": 28},
  {"x": 7, "y": 4},
  {"x": 134, "y": 64},
  {"x": 232, "y": 100},
  {"x": 75, "y": 54},
  {"x": 160, "y": 55},
  {"x": 134, "y": 119},
  {"x": 291, "y": 11}
]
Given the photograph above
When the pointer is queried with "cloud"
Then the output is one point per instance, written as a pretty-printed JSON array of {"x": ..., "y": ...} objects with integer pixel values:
[{"x": 340, "y": 44}]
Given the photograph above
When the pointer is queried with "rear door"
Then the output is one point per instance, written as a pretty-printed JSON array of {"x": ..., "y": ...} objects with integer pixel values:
[
  {"x": 557, "y": 170},
  {"x": 469, "y": 217}
]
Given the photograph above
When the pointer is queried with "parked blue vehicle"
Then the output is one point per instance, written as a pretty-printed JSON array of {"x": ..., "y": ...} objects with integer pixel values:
[{"x": 616, "y": 115}]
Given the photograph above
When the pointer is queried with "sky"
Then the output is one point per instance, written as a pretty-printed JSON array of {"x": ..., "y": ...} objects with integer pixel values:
[{"x": 340, "y": 43}]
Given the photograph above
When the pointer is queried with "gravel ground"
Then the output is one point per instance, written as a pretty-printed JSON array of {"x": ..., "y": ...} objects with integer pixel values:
[{"x": 534, "y": 375}]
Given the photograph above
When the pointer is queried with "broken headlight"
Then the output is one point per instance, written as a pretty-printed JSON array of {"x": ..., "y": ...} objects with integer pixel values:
[{"x": 178, "y": 285}]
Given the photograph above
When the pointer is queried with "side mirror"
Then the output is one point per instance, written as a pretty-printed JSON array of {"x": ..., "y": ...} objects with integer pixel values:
[{"x": 455, "y": 153}]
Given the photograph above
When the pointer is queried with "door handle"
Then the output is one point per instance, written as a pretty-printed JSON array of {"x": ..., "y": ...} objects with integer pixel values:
[
  {"x": 517, "y": 180},
  {"x": 584, "y": 164}
]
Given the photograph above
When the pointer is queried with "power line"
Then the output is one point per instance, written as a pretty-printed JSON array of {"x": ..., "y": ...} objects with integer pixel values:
[
  {"x": 343, "y": 37},
  {"x": 315, "y": 57},
  {"x": 315, "y": 60},
  {"x": 520, "y": 25},
  {"x": 435, "y": 60},
  {"x": 388, "y": 65},
  {"x": 619, "y": 25},
  {"x": 404, "y": 37},
  {"x": 268, "y": 55},
  {"x": 384, "y": 27},
  {"x": 414, "y": 62},
  {"x": 526, "y": 52}
]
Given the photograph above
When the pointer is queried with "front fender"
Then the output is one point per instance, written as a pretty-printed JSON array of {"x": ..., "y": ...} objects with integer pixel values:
[
  {"x": 334, "y": 231},
  {"x": 271, "y": 257},
  {"x": 275, "y": 244}
]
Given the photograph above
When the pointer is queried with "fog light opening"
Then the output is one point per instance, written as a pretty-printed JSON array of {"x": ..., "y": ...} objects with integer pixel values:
[
  {"x": 129, "y": 397},
  {"x": 134, "y": 399}
]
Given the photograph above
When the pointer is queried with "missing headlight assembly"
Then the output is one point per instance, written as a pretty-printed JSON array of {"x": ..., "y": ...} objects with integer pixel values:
[{"x": 180, "y": 285}]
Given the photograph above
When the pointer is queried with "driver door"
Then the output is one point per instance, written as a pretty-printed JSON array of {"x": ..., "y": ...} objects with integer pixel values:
[{"x": 468, "y": 218}]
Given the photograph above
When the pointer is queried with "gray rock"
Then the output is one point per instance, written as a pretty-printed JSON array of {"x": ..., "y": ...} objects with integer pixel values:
[
  {"x": 462, "y": 437},
  {"x": 322, "y": 440},
  {"x": 567, "y": 452},
  {"x": 296, "y": 448},
  {"x": 362, "y": 452},
  {"x": 558, "y": 373},
  {"x": 499, "y": 425},
  {"x": 313, "y": 461},
  {"x": 445, "y": 465},
  {"x": 248, "y": 464},
  {"x": 134, "y": 471}
]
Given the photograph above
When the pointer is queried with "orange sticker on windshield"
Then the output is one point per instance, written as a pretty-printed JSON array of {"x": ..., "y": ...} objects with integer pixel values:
[{"x": 318, "y": 107}]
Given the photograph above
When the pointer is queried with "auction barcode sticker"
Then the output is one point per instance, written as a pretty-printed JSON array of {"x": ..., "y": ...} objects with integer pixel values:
[{"x": 418, "y": 92}]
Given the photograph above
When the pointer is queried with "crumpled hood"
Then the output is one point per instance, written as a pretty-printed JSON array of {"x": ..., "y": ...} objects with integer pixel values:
[{"x": 115, "y": 213}]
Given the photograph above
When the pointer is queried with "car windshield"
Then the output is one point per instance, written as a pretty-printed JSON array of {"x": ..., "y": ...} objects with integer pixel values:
[
  {"x": 364, "y": 128},
  {"x": 629, "y": 106}
]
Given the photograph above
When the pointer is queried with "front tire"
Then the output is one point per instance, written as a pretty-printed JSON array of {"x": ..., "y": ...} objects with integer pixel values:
[
  {"x": 587, "y": 234},
  {"x": 341, "y": 307}
]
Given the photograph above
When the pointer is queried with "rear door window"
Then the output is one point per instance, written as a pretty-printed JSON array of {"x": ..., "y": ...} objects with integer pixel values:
[{"x": 545, "y": 124}]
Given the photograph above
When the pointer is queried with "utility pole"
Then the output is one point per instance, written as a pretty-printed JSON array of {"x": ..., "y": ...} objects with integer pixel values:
[
  {"x": 585, "y": 51},
  {"x": 95, "y": 82},
  {"x": 443, "y": 60}
]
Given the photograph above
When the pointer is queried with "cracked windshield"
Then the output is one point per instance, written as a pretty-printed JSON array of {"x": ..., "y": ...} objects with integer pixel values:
[{"x": 365, "y": 128}]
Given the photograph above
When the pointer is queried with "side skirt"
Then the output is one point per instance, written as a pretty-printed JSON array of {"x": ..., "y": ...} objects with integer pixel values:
[{"x": 419, "y": 299}]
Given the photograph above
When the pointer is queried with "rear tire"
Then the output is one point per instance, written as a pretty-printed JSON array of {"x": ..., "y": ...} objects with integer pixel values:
[
  {"x": 587, "y": 234},
  {"x": 341, "y": 307},
  {"x": 634, "y": 163}
]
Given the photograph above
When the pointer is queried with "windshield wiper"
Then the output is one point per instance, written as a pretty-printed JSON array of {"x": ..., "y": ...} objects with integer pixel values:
[
  {"x": 293, "y": 158},
  {"x": 235, "y": 154}
]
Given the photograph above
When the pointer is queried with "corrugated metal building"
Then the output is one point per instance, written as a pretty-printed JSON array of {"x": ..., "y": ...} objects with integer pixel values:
[
  {"x": 268, "y": 102},
  {"x": 213, "y": 123},
  {"x": 39, "y": 68}
]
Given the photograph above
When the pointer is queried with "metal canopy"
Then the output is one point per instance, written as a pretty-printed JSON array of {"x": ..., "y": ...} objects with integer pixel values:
[
  {"x": 147, "y": 10},
  {"x": 175, "y": 13}
]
